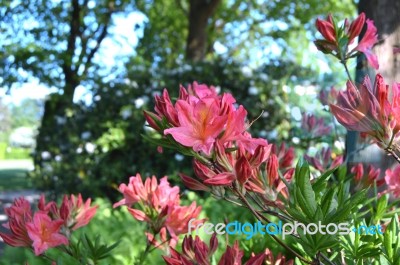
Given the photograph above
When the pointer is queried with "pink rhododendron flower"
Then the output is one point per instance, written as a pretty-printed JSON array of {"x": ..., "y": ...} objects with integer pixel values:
[
  {"x": 195, "y": 251},
  {"x": 75, "y": 212},
  {"x": 315, "y": 127},
  {"x": 335, "y": 38},
  {"x": 149, "y": 193},
  {"x": 159, "y": 205},
  {"x": 323, "y": 160},
  {"x": 327, "y": 29},
  {"x": 368, "y": 177},
  {"x": 358, "y": 171},
  {"x": 368, "y": 40},
  {"x": 328, "y": 96},
  {"x": 373, "y": 110},
  {"x": 285, "y": 155},
  {"x": 392, "y": 179},
  {"x": 275, "y": 183},
  {"x": 19, "y": 214},
  {"x": 279, "y": 260},
  {"x": 233, "y": 255},
  {"x": 200, "y": 117},
  {"x": 239, "y": 165},
  {"x": 178, "y": 218},
  {"x": 44, "y": 232},
  {"x": 200, "y": 124}
]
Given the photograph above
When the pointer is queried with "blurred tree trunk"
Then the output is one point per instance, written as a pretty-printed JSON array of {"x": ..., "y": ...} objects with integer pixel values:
[
  {"x": 200, "y": 11},
  {"x": 385, "y": 14},
  {"x": 76, "y": 61}
]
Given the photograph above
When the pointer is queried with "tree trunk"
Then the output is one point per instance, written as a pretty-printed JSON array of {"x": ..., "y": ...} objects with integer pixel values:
[
  {"x": 385, "y": 14},
  {"x": 199, "y": 14}
]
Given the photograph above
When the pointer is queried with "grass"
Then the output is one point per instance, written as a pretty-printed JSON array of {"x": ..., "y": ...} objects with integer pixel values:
[{"x": 13, "y": 177}]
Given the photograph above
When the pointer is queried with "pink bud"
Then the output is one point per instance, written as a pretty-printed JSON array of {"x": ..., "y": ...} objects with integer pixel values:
[
  {"x": 192, "y": 183},
  {"x": 326, "y": 28}
]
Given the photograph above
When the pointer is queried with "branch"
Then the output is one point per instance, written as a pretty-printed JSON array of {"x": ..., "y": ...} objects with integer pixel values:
[
  {"x": 181, "y": 7},
  {"x": 212, "y": 6},
  {"x": 67, "y": 66},
  {"x": 393, "y": 153},
  {"x": 103, "y": 34}
]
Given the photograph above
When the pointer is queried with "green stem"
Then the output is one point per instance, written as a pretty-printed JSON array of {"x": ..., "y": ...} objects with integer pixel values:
[
  {"x": 347, "y": 71},
  {"x": 326, "y": 258},
  {"x": 144, "y": 254}
]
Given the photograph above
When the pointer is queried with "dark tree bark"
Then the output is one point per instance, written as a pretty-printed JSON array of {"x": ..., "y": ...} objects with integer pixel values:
[
  {"x": 385, "y": 14},
  {"x": 199, "y": 14}
]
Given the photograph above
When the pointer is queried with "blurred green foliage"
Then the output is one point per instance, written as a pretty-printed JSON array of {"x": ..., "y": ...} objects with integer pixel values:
[
  {"x": 91, "y": 147},
  {"x": 104, "y": 147}
]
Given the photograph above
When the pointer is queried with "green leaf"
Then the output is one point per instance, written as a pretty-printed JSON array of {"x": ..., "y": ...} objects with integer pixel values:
[
  {"x": 328, "y": 204},
  {"x": 304, "y": 192},
  {"x": 381, "y": 207},
  {"x": 320, "y": 183},
  {"x": 390, "y": 237}
]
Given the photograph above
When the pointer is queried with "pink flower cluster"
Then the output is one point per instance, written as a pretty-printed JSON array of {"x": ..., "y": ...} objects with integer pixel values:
[
  {"x": 240, "y": 166},
  {"x": 200, "y": 118},
  {"x": 392, "y": 180},
  {"x": 280, "y": 162},
  {"x": 366, "y": 178},
  {"x": 371, "y": 109},
  {"x": 326, "y": 96},
  {"x": 214, "y": 130},
  {"x": 323, "y": 160},
  {"x": 336, "y": 38},
  {"x": 50, "y": 226},
  {"x": 159, "y": 206},
  {"x": 195, "y": 251},
  {"x": 314, "y": 126}
]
